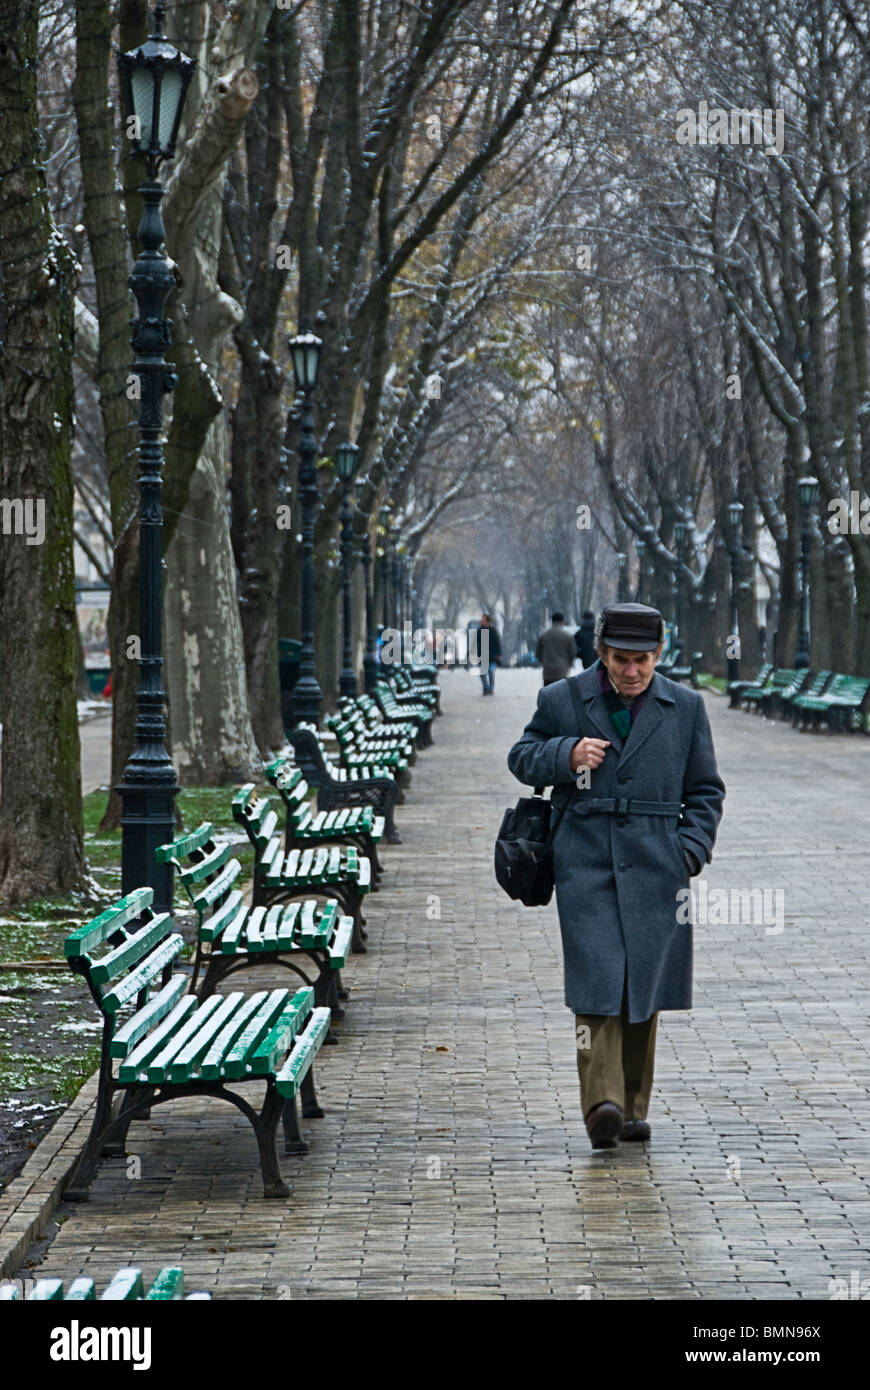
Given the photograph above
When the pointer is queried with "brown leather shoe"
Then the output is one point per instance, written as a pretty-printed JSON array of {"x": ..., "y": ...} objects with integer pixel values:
[
  {"x": 636, "y": 1131},
  {"x": 604, "y": 1124}
]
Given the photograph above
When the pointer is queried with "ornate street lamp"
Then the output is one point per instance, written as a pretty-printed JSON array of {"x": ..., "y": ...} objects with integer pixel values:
[
  {"x": 808, "y": 491},
  {"x": 370, "y": 661},
  {"x": 395, "y": 579},
  {"x": 621, "y": 559},
  {"x": 347, "y": 457},
  {"x": 640, "y": 547},
  {"x": 305, "y": 350},
  {"x": 154, "y": 82},
  {"x": 679, "y": 537},
  {"x": 735, "y": 516}
]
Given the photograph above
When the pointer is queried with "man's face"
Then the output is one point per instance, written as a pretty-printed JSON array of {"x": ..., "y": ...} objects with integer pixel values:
[{"x": 631, "y": 672}]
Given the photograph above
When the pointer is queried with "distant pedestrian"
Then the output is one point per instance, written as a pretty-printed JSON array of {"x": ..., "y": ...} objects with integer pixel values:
[
  {"x": 490, "y": 653},
  {"x": 584, "y": 639},
  {"x": 555, "y": 650}
]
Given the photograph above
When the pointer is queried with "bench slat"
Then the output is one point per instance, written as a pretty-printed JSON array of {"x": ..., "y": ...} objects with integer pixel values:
[
  {"x": 169, "y": 1284},
  {"x": 158, "y": 1068},
  {"x": 152, "y": 1012},
  {"x": 209, "y": 864},
  {"x": 185, "y": 844},
  {"x": 236, "y": 1061},
  {"x": 231, "y": 936},
  {"x": 130, "y": 1069},
  {"x": 277, "y": 1041},
  {"x": 135, "y": 947},
  {"x": 212, "y": 1062},
  {"x": 184, "y": 1065},
  {"x": 126, "y": 1287},
  {"x": 94, "y": 933},
  {"x": 220, "y": 920},
  {"x": 135, "y": 982},
  {"x": 304, "y": 1051},
  {"x": 287, "y": 928},
  {"x": 339, "y": 949}
]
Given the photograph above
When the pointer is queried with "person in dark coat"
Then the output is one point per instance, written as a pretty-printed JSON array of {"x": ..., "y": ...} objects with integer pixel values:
[
  {"x": 630, "y": 758},
  {"x": 555, "y": 650},
  {"x": 584, "y": 639},
  {"x": 490, "y": 653}
]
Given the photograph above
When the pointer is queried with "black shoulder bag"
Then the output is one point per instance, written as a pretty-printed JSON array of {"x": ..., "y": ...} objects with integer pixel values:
[{"x": 524, "y": 848}]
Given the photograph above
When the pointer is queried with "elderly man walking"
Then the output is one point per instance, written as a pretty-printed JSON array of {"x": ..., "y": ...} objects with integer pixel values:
[
  {"x": 555, "y": 650},
  {"x": 630, "y": 758}
]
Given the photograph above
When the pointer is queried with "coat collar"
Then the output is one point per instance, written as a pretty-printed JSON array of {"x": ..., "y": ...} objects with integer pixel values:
[{"x": 650, "y": 715}]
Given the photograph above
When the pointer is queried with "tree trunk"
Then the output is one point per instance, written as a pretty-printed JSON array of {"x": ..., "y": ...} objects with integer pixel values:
[
  {"x": 103, "y": 215},
  {"x": 41, "y": 836},
  {"x": 212, "y": 742}
]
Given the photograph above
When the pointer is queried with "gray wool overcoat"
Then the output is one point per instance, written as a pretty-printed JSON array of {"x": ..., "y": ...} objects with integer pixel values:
[{"x": 617, "y": 876}]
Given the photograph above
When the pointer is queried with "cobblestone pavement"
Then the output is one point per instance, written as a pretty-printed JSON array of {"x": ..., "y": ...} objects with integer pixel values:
[{"x": 452, "y": 1162}]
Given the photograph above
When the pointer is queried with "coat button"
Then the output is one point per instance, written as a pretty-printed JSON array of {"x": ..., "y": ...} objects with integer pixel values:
[
  {"x": 622, "y": 776},
  {"x": 622, "y": 868}
]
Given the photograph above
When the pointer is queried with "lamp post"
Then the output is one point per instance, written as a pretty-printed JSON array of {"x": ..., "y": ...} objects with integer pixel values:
[
  {"x": 640, "y": 546},
  {"x": 396, "y": 580},
  {"x": 679, "y": 537},
  {"x": 347, "y": 457},
  {"x": 370, "y": 661},
  {"x": 735, "y": 514},
  {"x": 808, "y": 491},
  {"x": 305, "y": 350},
  {"x": 621, "y": 559},
  {"x": 384, "y": 528},
  {"x": 154, "y": 82}
]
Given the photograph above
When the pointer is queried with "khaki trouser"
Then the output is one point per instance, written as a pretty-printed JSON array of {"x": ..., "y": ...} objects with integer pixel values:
[{"x": 615, "y": 1061}]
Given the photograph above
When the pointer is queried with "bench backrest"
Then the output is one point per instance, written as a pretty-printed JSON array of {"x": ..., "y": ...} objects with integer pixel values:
[
  {"x": 849, "y": 687},
  {"x": 255, "y": 814},
  {"x": 125, "y": 954},
  {"x": 208, "y": 873},
  {"x": 289, "y": 781}
]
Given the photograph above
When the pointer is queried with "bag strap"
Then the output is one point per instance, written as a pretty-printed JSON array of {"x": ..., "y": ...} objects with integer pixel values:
[
  {"x": 574, "y": 687},
  {"x": 539, "y": 791},
  {"x": 578, "y": 710}
]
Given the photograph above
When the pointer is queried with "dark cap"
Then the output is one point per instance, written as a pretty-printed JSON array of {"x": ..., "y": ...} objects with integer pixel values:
[{"x": 632, "y": 627}]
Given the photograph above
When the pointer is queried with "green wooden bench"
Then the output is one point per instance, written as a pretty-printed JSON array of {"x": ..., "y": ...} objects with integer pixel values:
[
  {"x": 338, "y": 787},
  {"x": 350, "y": 825},
  {"x": 393, "y": 706},
  {"x": 785, "y": 678},
  {"x": 409, "y": 683},
  {"x": 161, "y": 1042},
  {"x": 736, "y": 688},
  {"x": 376, "y": 723},
  {"x": 232, "y": 935},
  {"x": 127, "y": 1286},
  {"x": 328, "y": 870},
  {"x": 815, "y": 685},
  {"x": 356, "y": 748},
  {"x": 845, "y": 698}
]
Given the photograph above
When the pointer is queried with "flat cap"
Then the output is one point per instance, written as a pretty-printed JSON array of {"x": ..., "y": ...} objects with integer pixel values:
[{"x": 632, "y": 627}]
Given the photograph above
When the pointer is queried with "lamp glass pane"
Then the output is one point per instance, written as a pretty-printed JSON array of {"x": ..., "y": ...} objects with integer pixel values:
[
  {"x": 170, "y": 99},
  {"x": 298, "y": 355},
  {"x": 142, "y": 87},
  {"x": 312, "y": 362},
  {"x": 808, "y": 488}
]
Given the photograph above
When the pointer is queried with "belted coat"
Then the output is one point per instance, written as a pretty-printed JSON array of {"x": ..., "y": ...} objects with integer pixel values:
[{"x": 618, "y": 868}]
